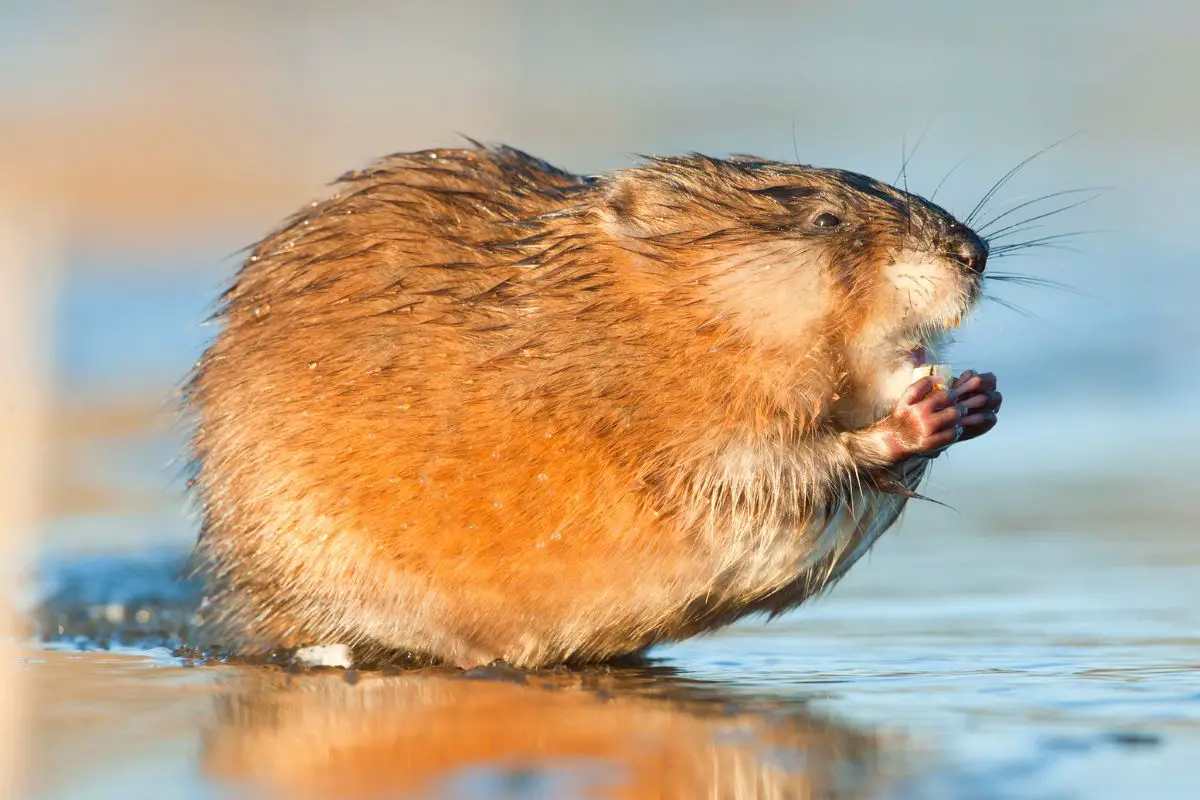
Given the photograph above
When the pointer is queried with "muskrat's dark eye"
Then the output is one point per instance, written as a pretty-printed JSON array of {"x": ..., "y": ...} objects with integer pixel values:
[{"x": 826, "y": 220}]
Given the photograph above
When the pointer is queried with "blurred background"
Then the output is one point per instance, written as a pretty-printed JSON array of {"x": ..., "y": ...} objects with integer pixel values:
[{"x": 143, "y": 144}]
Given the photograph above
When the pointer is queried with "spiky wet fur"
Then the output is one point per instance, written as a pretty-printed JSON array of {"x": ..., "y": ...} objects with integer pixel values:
[{"x": 477, "y": 407}]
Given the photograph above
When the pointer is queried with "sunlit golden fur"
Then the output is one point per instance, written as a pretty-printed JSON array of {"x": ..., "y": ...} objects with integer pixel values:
[{"x": 475, "y": 407}]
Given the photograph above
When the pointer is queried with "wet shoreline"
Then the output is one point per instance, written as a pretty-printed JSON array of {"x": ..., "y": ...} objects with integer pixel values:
[{"x": 971, "y": 655}]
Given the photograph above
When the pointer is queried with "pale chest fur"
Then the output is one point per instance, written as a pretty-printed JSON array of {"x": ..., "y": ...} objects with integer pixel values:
[{"x": 781, "y": 524}]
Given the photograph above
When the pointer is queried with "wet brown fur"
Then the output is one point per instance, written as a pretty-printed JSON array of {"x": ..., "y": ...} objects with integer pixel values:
[{"x": 477, "y": 407}]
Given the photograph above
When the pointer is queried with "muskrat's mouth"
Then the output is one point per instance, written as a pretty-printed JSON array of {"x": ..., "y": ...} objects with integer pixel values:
[{"x": 919, "y": 353}]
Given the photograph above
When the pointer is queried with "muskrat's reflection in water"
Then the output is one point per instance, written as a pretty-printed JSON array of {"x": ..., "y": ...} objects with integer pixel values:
[{"x": 435, "y": 734}]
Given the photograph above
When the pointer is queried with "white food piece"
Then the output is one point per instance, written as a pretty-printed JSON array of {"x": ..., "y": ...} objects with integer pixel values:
[
  {"x": 943, "y": 378},
  {"x": 325, "y": 655}
]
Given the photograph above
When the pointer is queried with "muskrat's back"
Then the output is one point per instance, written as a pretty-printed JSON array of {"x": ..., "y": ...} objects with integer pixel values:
[{"x": 476, "y": 407}]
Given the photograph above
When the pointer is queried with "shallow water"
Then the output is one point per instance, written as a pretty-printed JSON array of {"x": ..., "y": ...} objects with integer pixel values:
[{"x": 989, "y": 651}]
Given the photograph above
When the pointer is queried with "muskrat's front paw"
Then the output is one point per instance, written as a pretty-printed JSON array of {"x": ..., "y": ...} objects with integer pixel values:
[
  {"x": 924, "y": 422},
  {"x": 978, "y": 403}
]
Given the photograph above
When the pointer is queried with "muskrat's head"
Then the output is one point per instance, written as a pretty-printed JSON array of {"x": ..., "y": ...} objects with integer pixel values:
[{"x": 793, "y": 256}]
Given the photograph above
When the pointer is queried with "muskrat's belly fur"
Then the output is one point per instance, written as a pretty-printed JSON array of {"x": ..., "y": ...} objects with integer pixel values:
[{"x": 445, "y": 416}]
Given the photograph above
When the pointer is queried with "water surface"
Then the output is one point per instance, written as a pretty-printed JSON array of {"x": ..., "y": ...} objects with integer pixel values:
[{"x": 990, "y": 651}]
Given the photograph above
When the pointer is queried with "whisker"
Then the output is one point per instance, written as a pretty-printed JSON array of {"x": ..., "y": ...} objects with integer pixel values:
[
  {"x": 1011, "y": 306},
  {"x": 1055, "y": 237},
  {"x": 1024, "y": 280},
  {"x": 1096, "y": 191},
  {"x": 993, "y": 247},
  {"x": 1059, "y": 247},
  {"x": 906, "y": 156},
  {"x": 1014, "y": 232},
  {"x": 1031, "y": 281},
  {"x": 1009, "y": 175},
  {"x": 1019, "y": 229},
  {"x": 945, "y": 178},
  {"x": 1037, "y": 217}
]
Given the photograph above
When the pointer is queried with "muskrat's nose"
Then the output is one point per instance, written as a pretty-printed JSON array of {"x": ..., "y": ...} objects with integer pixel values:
[{"x": 964, "y": 246}]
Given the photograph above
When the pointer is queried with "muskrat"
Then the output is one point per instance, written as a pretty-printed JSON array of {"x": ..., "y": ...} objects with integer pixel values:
[{"x": 475, "y": 407}]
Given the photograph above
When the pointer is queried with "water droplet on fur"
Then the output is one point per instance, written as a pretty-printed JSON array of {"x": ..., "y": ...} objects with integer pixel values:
[
  {"x": 497, "y": 504},
  {"x": 404, "y": 406},
  {"x": 312, "y": 365},
  {"x": 556, "y": 537},
  {"x": 543, "y": 477}
]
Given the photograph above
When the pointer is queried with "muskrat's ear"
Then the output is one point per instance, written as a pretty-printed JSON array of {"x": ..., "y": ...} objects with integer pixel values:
[{"x": 636, "y": 209}]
